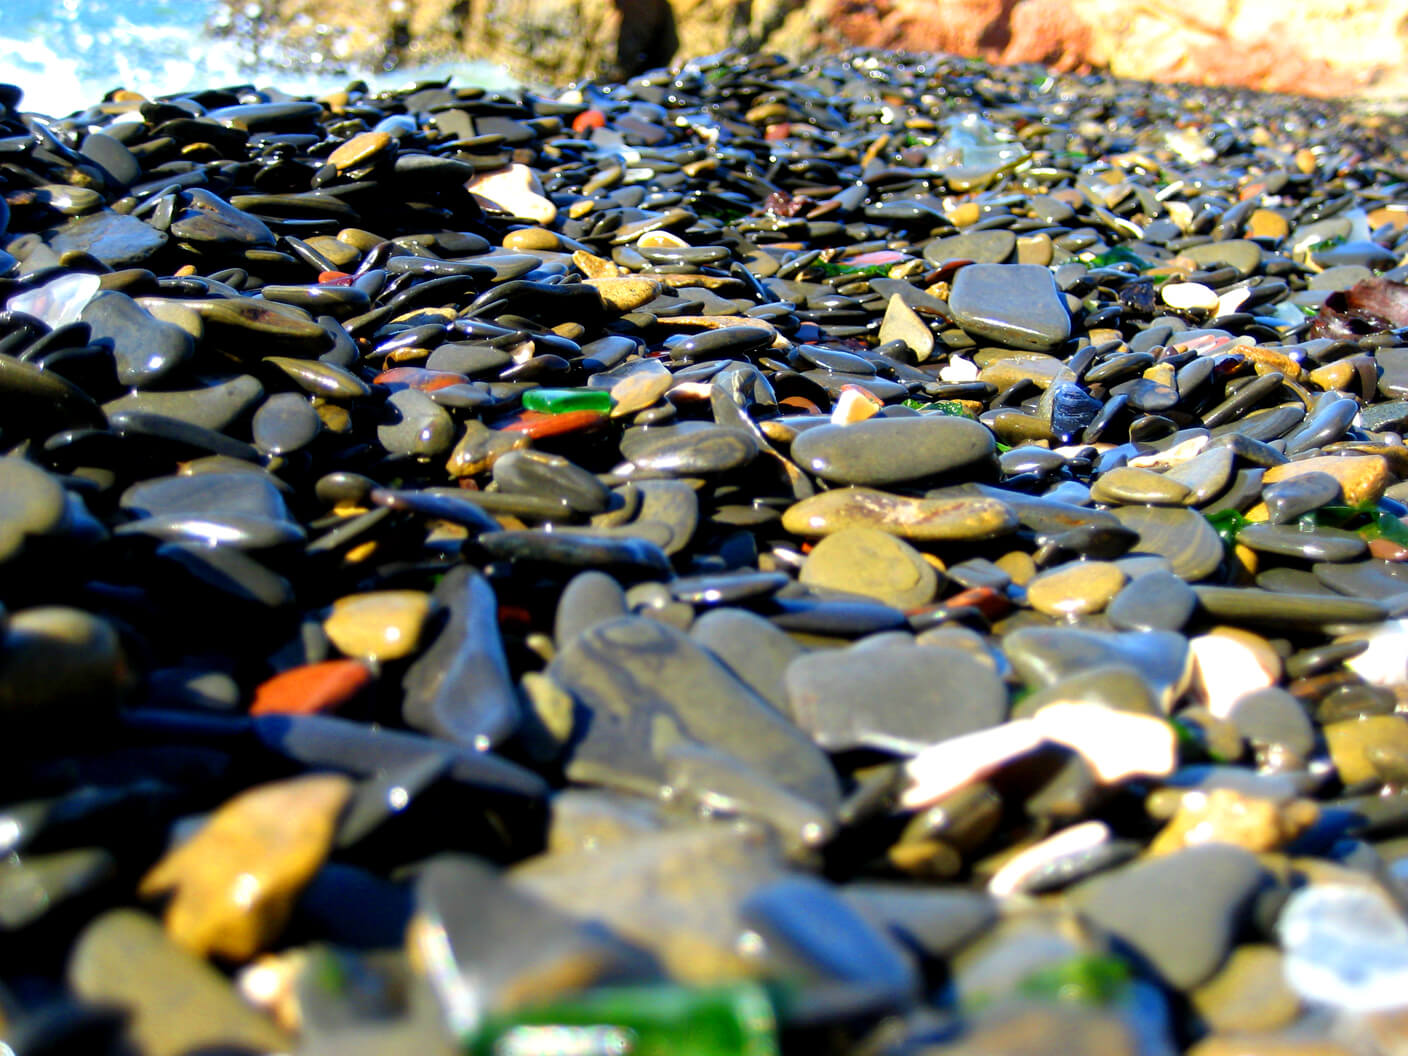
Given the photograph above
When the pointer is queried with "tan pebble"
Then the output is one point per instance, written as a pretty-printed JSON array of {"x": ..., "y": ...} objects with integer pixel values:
[
  {"x": 1269, "y": 359},
  {"x": 514, "y": 190},
  {"x": 1248, "y": 993},
  {"x": 1177, "y": 455},
  {"x": 1075, "y": 589},
  {"x": 233, "y": 883},
  {"x": 594, "y": 267},
  {"x": 1186, "y": 296},
  {"x": 359, "y": 238},
  {"x": 532, "y": 239},
  {"x": 1035, "y": 249},
  {"x": 625, "y": 293},
  {"x": 1263, "y": 223},
  {"x": 480, "y": 447},
  {"x": 661, "y": 240},
  {"x": 1337, "y": 375},
  {"x": 1395, "y": 215},
  {"x": 1362, "y": 478},
  {"x": 1224, "y": 815},
  {"x": 965, "y": 214},
  {"x": 1019, "y": 565},
  {"x": 380, "y": 625},
  {"x": 358, "y": 150},
  {"x": 970, "y": 517},
  {"x": 872, "y": 563},
  {"x": 1359, "y": 747},
  {"x": 1143, "y": 487},
  {"x": 1163, "y": 373}
]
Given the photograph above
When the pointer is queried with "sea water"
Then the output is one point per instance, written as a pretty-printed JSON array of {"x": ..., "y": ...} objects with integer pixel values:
[{"x": 66, "y": 54}]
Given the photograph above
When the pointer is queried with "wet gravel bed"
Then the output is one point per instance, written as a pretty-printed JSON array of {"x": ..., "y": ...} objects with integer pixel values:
[{"x": 882, "y": 556}]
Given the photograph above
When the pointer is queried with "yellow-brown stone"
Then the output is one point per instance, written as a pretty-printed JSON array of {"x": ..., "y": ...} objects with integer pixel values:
[
  {"x": 233, "y": 883},
  {"x": 1359, "y": 746},
  {"x": 970, "y": 517},
  {"x": 625, "y": 293},
  {"x": 532, "y": 240},
  {"x": 594, "y": 267},
  {"x": 359, "y": 150},
  {"x": 1077, "y": 588},
  {"x": 1263, "y": 223},
  {"x": 379, "y": 625},
  {"x": 1224, "y": 815},
  {"x": 1248, "y": 993},
  {"x": 1362, "y": 478}
]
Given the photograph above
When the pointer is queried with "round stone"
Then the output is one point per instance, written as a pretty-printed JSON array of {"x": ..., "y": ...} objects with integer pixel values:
[
  {"x": 874, "y": 563},
  {"x": 1075, "y": 589}
]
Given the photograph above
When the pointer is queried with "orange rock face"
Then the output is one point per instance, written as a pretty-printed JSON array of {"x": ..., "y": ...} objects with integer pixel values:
[{"x": 1311, "y": 47}]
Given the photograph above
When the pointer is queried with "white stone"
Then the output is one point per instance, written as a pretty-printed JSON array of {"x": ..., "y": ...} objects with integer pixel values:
[
  {"x": 1385, "y": 662},
  {"x": 1226, "y": 667},
  {"x": 514, "y": 190},
  {"x": 959, "y": 761},
  {"x": 1186, "y": 295},
  {"x": 958, "y": 369},
  {"x": 1176, "y": 455},
  {"x": 1116, "y": 744},
  {"x": 1232, "y": 301},
  {"x": 1078, "y": 839}
]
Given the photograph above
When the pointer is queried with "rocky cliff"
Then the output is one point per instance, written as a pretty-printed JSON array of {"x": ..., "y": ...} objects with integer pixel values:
[{"x": 1315, "y": 47}]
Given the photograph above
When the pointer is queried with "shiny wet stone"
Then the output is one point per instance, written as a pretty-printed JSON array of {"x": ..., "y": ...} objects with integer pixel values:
[
  {"x": 1013, "y": 305},
  {"x": 898, "y": 699},
  {"x": 864, "y": 452},
  {"x": 645, "y": 685}
]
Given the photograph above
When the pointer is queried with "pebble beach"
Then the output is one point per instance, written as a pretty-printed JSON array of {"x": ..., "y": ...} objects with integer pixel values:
[{"x": 882, "y": 556}]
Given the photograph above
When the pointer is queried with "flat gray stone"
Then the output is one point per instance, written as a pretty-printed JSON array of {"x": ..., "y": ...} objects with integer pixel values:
[
  {"x": 897, "y": 698},
  {"x": 1014, "y": 305},
  {"x": 880, "y": 451},
  {"x": 646, "y": 686},
  {"x": 1212, "y": 886}
]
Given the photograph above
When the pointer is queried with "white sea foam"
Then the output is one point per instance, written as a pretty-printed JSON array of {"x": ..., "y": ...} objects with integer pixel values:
[{"x": 67, "y": 54}]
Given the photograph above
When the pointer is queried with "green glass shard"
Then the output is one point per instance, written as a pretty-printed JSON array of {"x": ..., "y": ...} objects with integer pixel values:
[
  {"x": 649, "y": 1020},
  {"x": 561, "y": 401},
  {"x": 1089, "y": 980}
]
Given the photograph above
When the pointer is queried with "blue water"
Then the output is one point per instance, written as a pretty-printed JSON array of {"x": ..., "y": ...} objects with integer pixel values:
[{"x": 66, "y": 54}]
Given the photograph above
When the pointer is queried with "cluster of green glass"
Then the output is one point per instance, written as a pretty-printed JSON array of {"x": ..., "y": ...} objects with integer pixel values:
[
  {"x": 1117, "y": 255},
  {"x": 1367, "y": 521},
  {"x": 831, "y": 269}
]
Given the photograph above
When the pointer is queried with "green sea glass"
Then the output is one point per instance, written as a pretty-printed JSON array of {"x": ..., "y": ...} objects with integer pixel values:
[
  {"x": 648, "y": 1020},
  {"x": 562, "y": 401}
]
